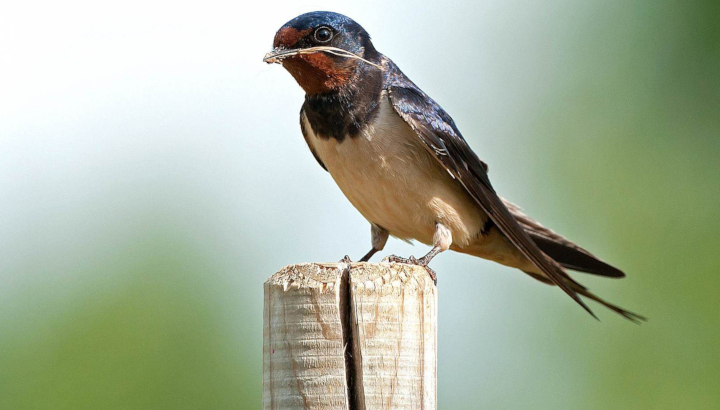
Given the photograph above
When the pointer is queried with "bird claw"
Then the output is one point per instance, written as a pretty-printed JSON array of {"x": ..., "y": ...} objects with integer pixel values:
[
  {"x": 413, "y": 261},
  {"x": 397, "y": 259},
  {"x": 432, "y": 274}
]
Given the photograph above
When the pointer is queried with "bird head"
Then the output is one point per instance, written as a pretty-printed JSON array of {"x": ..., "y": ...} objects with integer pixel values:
[{"x": 324, "y": 51}]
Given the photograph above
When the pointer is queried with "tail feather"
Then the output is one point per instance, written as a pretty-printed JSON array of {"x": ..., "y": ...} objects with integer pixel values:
[
  {"x": 568, "y": 254},
  {"x": 633, "y": 317},
  {"x": 583, "y": 291},
  {"x": 563, "y": 253}
]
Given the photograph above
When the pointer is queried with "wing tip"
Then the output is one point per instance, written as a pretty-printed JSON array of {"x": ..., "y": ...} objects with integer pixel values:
[
  {"x": 573, "y": 257},
  {"x": 602, "y": 269}
]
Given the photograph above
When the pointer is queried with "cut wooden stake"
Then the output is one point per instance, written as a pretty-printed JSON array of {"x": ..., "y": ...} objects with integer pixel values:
[{"x": 359, "y": 336}]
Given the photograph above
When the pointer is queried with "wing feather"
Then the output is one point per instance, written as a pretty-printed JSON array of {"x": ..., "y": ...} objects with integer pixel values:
[{"x": 443, "y": 140}]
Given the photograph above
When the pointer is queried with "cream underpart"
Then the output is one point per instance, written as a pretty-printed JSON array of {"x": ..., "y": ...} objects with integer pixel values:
[{"x": 391, "y": 178}]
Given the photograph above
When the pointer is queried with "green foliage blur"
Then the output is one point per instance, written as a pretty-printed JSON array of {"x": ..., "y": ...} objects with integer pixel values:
[{"x": 152, "y": 176}]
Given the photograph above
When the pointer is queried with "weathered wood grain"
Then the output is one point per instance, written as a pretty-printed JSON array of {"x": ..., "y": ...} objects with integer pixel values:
[{"x": 358, "y": 336}]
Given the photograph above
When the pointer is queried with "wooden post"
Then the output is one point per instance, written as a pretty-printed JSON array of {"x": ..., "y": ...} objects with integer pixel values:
[{"x": 353, "y": 336}]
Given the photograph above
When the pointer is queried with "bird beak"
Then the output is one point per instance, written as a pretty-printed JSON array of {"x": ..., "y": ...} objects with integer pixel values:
[{"x": 279, "y": 54}]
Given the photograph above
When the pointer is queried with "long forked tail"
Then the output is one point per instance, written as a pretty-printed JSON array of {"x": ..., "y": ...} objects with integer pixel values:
[
  {"x": 633, "y": 317},
  {"x": 570, "y": 256},
  {"x": 583, "y": 291}
]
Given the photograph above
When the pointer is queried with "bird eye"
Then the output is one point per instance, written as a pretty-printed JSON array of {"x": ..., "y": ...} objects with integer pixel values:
[{"x": 323, "y": 34}]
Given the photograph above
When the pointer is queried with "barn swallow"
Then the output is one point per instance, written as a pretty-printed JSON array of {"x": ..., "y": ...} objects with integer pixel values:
[{"x": 402, "y": 162}]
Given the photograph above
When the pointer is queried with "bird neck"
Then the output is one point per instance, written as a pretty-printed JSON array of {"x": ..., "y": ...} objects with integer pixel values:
[{"x": 346, "y": 111}]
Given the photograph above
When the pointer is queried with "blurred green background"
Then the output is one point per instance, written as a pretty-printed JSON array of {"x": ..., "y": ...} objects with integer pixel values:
[{"x": 153, "y": 175}]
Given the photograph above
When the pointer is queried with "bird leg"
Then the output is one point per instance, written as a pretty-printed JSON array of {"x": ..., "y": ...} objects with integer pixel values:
[
  {"x": 442, "y": 239},
  {"x": 420, "y": 262},
  {"x": 371, "y": 252},
  {"x": 369, "y": 255},
  {"x": 379, "y": 237}
]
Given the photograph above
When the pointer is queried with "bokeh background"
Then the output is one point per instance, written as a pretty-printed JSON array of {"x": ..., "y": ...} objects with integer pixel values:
[{"x": 153, "y": 175}]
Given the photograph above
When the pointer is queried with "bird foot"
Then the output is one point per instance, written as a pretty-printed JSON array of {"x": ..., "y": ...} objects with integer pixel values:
[{"x": 414, "y": 261}]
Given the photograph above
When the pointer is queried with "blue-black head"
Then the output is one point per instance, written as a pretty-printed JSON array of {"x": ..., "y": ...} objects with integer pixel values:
[{"x": 323, "y": 50}]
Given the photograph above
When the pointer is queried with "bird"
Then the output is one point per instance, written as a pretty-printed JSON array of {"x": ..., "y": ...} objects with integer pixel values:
[{"x": 401, "y": 161}]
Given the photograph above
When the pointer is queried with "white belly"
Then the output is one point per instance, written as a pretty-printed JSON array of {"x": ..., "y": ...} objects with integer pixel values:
[{"x": 395, "y": 183}]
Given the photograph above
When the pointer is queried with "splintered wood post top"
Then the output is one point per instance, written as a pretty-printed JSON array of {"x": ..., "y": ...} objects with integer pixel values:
[{"x": 353, "y": 336}]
